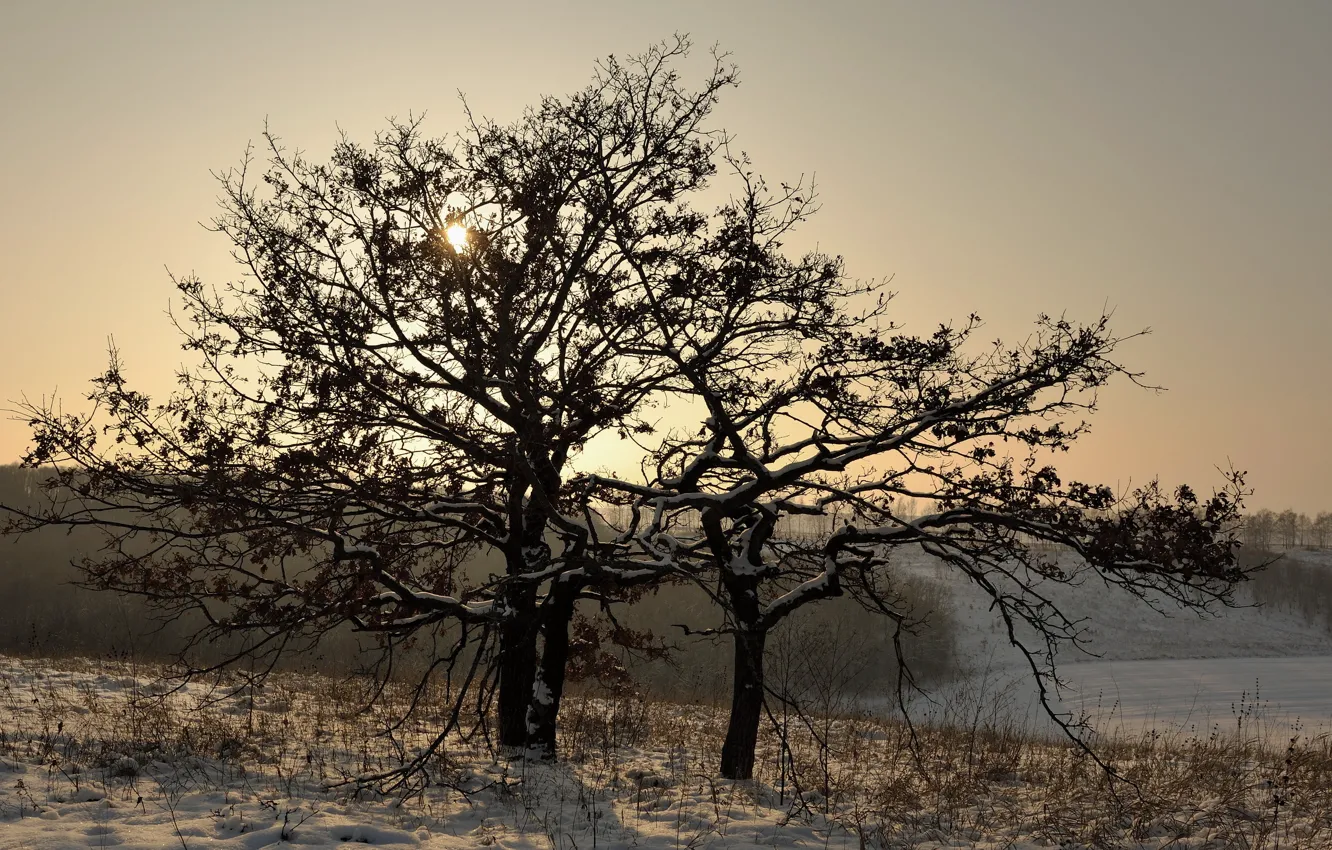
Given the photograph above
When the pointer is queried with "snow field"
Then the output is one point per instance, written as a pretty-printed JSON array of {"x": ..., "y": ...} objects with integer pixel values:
[
  {"x": 97, "y": 755},
  {"x": 1272, "y": 697}
]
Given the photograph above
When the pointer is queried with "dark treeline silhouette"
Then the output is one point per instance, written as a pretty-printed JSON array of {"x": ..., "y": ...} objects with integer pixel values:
[
  {"x": 1291, "y": 585},
  {"x": 45, "y": 613},
  {"x": 49, "y": 614},
  {"x": 1267, "y": 529}
]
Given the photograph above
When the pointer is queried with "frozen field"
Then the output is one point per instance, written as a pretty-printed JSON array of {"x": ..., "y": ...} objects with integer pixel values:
[
  {"x": 1118, "y": 627},
  {"x": 1285, "y": 694},
  {"x": 1272, "y": 697},
  {"x": 88, "y": 759}
]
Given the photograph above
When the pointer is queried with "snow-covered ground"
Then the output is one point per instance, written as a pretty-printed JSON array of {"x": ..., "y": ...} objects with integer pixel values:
[
  {"x": 89, "y": 757},
  {"x": 1119, "y": 627},
  {"x": 1283, "y": 695},
  {"x": 1269, "y": 697},
  {"x": 1317, "y": 557}
]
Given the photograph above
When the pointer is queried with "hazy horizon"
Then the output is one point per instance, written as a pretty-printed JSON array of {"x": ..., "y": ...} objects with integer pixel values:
[{"x": 1164, "y": 161}]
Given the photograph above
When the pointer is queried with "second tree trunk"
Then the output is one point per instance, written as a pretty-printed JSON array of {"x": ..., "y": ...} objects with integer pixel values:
[{"x": 737, "y": 759}]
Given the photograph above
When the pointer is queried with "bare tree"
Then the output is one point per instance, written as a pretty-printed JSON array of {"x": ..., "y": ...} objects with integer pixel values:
[
  {"x": 426, "y": 335},
  {"x": 855, "y": 419},
  {"x": 1259, "y": 528},
  {"x": 1321, "y": 528},
  {"x": 1288, "y": 528}
]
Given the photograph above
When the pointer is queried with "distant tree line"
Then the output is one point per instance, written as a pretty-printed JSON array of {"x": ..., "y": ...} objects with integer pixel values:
[
  {"x": 49, "y": 614},
  {"x": 1267, "y": 529},
  {"x": 1294, "y": 587}
]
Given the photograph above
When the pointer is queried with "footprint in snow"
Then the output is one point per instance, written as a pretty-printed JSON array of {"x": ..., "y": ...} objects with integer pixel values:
[{"x": 102, "y": 835}]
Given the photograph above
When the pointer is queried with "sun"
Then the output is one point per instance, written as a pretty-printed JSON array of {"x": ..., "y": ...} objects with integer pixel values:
[{"x": 457, "y": 236}]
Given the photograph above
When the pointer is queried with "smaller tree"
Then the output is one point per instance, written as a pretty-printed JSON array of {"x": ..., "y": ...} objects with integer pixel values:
[
  {"x": 897, "y": 418},
  {"x": 1260, "y": 529},
  {"x": 1322, "y": 529},
  {"x": 1288, "y": 529},
  {"x": 821, "y": 411}
]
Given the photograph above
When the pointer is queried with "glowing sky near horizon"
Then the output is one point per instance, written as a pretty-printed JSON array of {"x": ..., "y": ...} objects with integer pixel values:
[{"x": 1168, "y": 161}]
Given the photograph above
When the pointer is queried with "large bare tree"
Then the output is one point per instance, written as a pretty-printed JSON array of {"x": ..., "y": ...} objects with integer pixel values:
[{"x": 426, "y": 334}]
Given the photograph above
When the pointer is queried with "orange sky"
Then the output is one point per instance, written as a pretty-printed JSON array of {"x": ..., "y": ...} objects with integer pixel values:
[{"x": 1169, "y": 160}]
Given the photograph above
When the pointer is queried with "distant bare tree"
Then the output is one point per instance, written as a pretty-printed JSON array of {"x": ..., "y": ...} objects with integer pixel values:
[
  {"x": 1260, "y": 529},
  {"x": 1288, "y": 528},
  {"x": 1304, "y": 532},
  {"x": 1321, "y": 529}
]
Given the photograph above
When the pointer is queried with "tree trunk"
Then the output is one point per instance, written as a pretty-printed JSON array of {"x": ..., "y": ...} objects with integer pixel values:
[
  {"x": 517, "y": 667},
  {"x": 549, "y": 685},
  {"x": 737, "y": 759}
]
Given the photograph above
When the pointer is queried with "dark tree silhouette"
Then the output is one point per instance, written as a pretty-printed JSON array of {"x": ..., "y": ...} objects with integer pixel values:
[
  {"x": 1320, "y": 528},
  {"x": 1258, "y": 529},
  {"x": 855, "y": 419},
  {"x": 426, "y": 335},
  {"x": 1288, "y": 527}
]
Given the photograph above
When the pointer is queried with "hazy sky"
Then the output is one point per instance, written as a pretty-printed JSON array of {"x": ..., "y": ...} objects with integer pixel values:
[{"x": 1169, "y": 160}]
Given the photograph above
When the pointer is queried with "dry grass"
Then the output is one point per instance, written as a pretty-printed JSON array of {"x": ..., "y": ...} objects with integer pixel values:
[
  {"x": 968, "y": 775},
  {"x": 995, "y": 779}
]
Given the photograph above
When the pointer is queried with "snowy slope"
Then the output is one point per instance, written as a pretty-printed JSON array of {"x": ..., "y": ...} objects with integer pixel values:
[
  {"x": 1278, "y": 696},
  {"x": 1119, "y": 627},
  {"x": 1169, "y": 671}
]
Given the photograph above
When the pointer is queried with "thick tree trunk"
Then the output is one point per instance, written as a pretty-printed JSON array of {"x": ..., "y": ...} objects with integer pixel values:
[
  {"x": 548, "y": 688},
  {"x": 737, "y": 758},
  {"x": 517, "y": 668}
]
